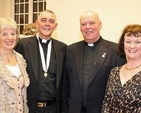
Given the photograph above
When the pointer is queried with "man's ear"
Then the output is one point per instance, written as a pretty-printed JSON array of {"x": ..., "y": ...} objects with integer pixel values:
[{"x": 56, "y": 26}]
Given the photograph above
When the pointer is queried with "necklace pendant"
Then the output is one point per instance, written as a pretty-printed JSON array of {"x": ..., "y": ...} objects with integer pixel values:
[
  {"x": 45, "y": 74},
  {"x": 8, "y": 61}
]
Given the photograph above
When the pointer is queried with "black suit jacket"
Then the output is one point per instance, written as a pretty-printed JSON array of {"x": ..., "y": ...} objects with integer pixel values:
[
  {"x": 28, "y": 47},
  {"x": 107, "y": 59}
]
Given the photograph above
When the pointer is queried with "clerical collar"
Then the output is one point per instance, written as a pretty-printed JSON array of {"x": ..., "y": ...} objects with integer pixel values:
[
  {"x": 44, "y": 40},
  {"x": 45, "y": 64},
  {"x": 95, "y": 43},
  {"x": 90, "y": 44}
]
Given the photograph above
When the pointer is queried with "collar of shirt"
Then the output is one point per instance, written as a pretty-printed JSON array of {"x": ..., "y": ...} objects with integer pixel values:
[{"x": 95, "y": 43}]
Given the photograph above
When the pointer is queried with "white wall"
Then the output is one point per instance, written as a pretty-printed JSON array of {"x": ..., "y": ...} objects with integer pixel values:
[
  {"x": 114, "y": 14},
  {"x": 6, "y": 8}
]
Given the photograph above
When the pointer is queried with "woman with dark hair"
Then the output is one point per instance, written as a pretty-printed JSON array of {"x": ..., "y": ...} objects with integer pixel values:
[{"x": 123, "y": 92}]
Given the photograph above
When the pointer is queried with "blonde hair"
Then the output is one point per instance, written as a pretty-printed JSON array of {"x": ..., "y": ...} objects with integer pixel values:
[{"x": 8, "y": 23}]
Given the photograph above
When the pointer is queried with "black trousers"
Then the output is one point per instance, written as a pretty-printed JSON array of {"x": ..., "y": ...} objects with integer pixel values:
[{"x": 83, "y": 111}]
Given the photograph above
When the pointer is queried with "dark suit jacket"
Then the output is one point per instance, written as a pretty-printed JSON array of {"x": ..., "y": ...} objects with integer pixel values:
[
  {"x": 28, "y": 47},
  {"x": 107, "y": 58}
]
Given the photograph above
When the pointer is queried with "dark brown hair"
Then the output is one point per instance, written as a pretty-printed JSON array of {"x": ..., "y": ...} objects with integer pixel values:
[{"x": 134, "y": 29}]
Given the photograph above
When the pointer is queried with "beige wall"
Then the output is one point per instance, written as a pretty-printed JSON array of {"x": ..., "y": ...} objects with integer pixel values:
[
  {"x": 114, "y": 14},
  {"x": 5, "y": 8}
]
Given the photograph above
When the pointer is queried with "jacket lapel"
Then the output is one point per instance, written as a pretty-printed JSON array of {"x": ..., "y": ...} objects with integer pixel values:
[
  {"x": 59, "y": 56},
  {"x": 79, "y": 60},
  {"x": 33, "y": 55},
  {"x": 102, "y": 54}
]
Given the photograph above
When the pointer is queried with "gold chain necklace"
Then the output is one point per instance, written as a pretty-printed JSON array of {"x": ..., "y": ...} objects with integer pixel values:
[
  {"x": 7, "y": 60},
  {"x": 133, "y": 67}
]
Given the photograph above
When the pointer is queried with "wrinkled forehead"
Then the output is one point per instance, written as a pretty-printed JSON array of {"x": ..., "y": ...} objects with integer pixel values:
[{"x": 47, "y": 15}]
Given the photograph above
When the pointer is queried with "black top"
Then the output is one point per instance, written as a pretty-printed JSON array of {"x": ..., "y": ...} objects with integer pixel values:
[
  {"x": 47, "y": 85},
  {"x": 90, "y": 55}
]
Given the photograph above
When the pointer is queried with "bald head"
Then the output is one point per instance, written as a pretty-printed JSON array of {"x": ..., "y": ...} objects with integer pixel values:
[
  {"x": 90, "y": 26},
  {"x": 91, "y": 14}
]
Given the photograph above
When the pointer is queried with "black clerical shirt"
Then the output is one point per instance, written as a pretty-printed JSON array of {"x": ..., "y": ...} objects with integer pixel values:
[
  {"x": 90, "y": 55},
  {"x": 47, "y": 85}
]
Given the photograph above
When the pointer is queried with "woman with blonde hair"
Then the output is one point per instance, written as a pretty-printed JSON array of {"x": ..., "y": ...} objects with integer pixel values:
[{"x": 13, "y": 76}]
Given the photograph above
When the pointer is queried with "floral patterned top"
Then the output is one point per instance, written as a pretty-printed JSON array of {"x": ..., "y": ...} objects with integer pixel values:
[{"x": 122, "y": 98}]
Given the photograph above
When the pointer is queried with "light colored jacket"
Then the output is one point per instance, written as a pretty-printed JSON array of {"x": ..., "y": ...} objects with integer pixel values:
[{"x": 8, "y": 99}]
